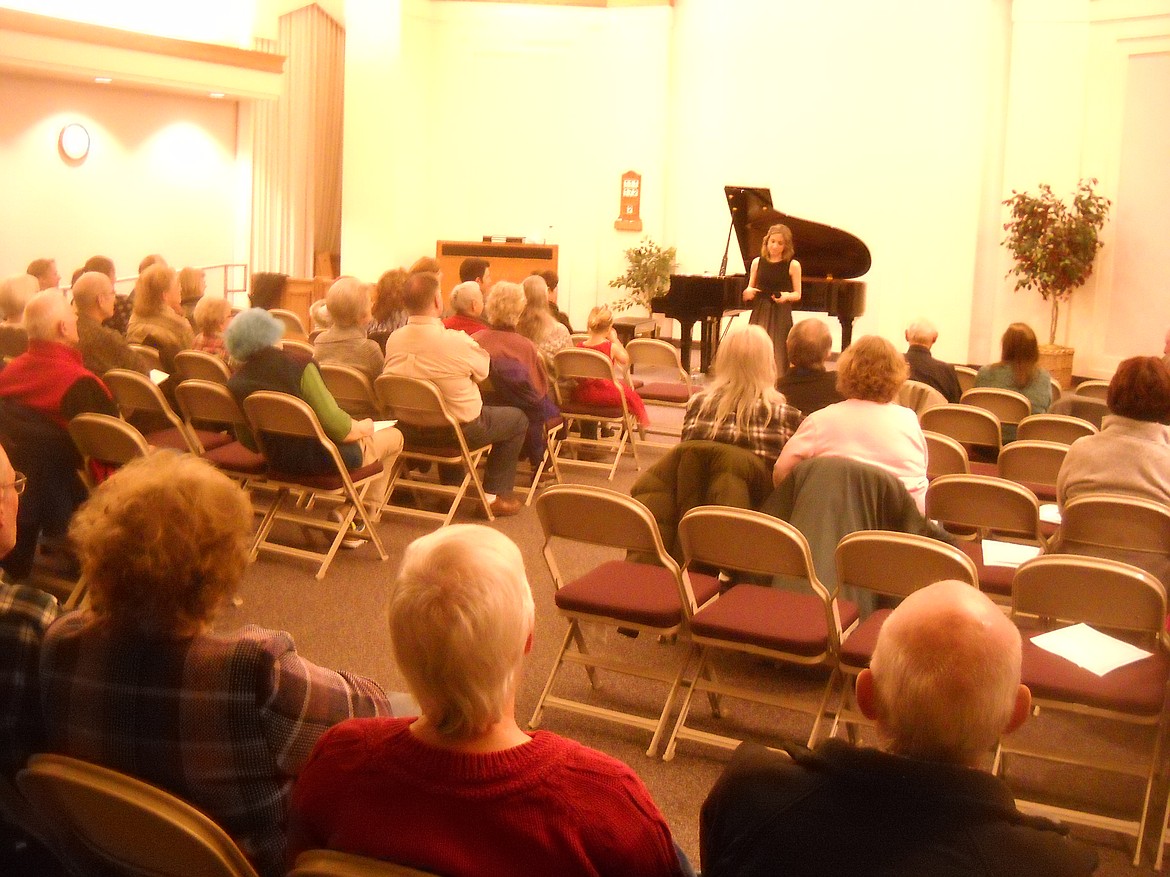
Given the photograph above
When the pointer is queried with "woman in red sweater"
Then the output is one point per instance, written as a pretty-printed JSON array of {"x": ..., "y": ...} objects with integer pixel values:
[{"x": 462, "y": 790}]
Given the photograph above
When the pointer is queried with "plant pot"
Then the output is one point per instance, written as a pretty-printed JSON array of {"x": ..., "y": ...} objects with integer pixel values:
[{"x": 1057, "y": 360}]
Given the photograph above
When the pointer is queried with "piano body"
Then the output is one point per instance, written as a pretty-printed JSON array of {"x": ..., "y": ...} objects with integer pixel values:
[{"x": 829, "y": 259}]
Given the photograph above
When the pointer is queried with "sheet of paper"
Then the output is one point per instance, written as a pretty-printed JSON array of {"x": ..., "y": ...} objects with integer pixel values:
[
  {"x": 158, "y": 375},
  {"x": 383, "y": 424},
  {"x": 1049, "y": 513},
  {"x": 1086, "y": 647},
  {"x": 1011, "y": 554}
]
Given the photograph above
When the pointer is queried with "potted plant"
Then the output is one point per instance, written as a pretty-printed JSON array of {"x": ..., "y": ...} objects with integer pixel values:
[
  {"x": 647, "y": 275},
  {"x": 1054, "y": 246}
]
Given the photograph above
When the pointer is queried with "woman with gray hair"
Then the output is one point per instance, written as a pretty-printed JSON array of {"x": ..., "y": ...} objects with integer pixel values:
[
  {"x": 462, "y": 790},
  {"x": 537, "y": 323},
  {"x": 345, "y": 342}
]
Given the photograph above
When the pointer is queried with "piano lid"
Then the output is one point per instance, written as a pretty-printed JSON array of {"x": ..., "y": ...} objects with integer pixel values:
[{"x": 823, "y": 251}]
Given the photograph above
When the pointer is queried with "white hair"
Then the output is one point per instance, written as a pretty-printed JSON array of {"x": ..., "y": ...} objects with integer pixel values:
[
  {"x": 348, "y": 301},
  {"x": 460, "y": 617},
  {"x": 464, "y": 295},
  {"x": 15, "y": 291},
  {"x": 505, "y": 303},
  {"x": 43, "y": 315},
  {"x": 922, "y": 331}
]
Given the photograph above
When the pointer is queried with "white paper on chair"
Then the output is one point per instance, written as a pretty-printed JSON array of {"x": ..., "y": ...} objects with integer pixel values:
[
  {"x": 1049, "y": 513},
  {"x": 383, "y": 424},
  {"x": 158, "y": 375},
  {"x": 1010, "y": 554},
  {"x": 1096, "y": 652}
]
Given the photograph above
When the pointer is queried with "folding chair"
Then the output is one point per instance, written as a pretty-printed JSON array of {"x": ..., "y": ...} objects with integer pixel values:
[
  {"x": 1087, "y": 408},
  {"x": 975, "y": 428},
  {"x": 304, "y": 347},
  {"x": 579, "y": 363},
  {"x": 1035, "y": 465},
  {"x": 291, "y": 322},
  {"x": 944, "y": 456},
  {"x": 919, "y": 397},
  {"x": 202, "y": 366},
  {"x": 1093, "y": 389},
  {"x": 797, "y": 627},
  {"x": 1053, "y": 428},
  {"x": 212, "y": 403},
  {"x": 654, "y": 353},
  {"x": 650, "y": 599},
  {"x": 1055, "y": 388},
  {"x": 431, "y": 435},
  {"x": 108, "y": 440},
  {"x": 981, "y": 507},
  {"x": 966, "y": 376},
  {"x": 123, "y": 822},
  {"x": 331, "y": 863},
  {"x": 892, "y": 566},
  {"x": 1125, "y": 528},
  {"x": 352, "y": 390},
  {"x": 138, "y": 396},
  {"x": 279, "y": 414},
  {"x": 150, "y": 355},
  {"x": 1008, "y": 405},
  {"x": 1123, "y": 601}
]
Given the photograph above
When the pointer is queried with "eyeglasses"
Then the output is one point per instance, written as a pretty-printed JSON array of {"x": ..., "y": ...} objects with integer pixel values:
[{"x": 19, "y": 482}]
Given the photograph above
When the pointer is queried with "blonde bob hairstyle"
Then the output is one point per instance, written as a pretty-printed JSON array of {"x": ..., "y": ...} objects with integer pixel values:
[
  {"x": 745, "y": 377},
  {"x": 505, "y": 303},
  {"x": 151, "y": 290},
  {"x": 163, "y": 543},
  {"x": 348, "y": 301},
  {"x": 872, "y": 369},
  {"x": 461, "y": 616}
]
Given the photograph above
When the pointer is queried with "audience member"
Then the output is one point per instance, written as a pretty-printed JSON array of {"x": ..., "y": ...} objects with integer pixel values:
[
  {"x": 517, "y": 372},
  {"x": 943, "y": 685},
  {"x": 869, "y": 426},
  {"x": 921, "y": 335},
  {"x": 427, "y": 265},
  {"x": 741, "y": 406},
  {"x": 467, "y": 303},
  {"x": 157, "y": 319},
  {"x": 553, "y": 281},
  {"x": 477, "y": 269},
  {"x": 1166, "y": 350},
  {"x": 15, "y": 292},
  {"x": 345, "y": 342},
  {"x": 251, "y": 338},
  {"x": 212, "y": 315},
  {"x": 388, "y": 311},
  {"x": 25, "y": 614},
  {"x": 537, "y": 323},
  {"x": 599, "y": 391},
  {"x": 139, "y": 681},
  {"x": 192, "y": 286},
  {"x": 101, "y": 348},
  {"x": 267, "y": 289},
  {"x": 46, "y": 273},
  {"x": 1018, "y": 370},
  {"x": 123, "y": 304},
  {"x": 319, "y": 317},
  {"x": 425, "y": 349},
  {"x": 808, "y": 385},
  {"x": 462, "y": 790},
  {"x": 42, "y": 390}
]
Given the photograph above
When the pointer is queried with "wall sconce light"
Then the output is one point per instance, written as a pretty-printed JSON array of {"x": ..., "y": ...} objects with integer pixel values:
[{"x": 74, "y": 142}]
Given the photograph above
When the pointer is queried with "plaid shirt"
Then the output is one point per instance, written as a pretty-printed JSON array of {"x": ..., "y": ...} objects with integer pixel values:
[
  {"x": 769, "y": 427},
  {"x": 25, "y": 614},
  {"x": 223, "y": 721}
]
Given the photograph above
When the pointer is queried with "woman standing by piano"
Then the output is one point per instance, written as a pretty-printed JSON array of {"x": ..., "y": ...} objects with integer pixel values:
[{"x": 773, "y": 285}]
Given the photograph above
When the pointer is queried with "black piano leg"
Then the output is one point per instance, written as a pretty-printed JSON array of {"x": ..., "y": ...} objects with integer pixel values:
[
  {"x": 846, "y": 332},
  {"x": 708, "y": 342},
  {"x": 685, "y": 342}
]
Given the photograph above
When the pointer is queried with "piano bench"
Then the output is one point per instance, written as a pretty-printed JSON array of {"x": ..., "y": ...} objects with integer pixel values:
[{"x": 629, "y": 328}]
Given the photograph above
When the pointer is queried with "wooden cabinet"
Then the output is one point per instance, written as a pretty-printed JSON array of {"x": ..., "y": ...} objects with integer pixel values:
[{"x": 507, "y": 261}]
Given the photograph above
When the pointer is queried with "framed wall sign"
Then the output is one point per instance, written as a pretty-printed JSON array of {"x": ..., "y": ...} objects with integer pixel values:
[{"x": 630, "y": 206}]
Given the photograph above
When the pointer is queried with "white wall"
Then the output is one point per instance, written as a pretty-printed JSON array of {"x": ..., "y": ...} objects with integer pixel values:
[{"x": 161, "y": 176}]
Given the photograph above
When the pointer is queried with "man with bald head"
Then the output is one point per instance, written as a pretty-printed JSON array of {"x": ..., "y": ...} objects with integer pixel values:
[
  {"x": 101, "y": 348},
  {"x": 943, "y": 685},
  {"x": 924, "y": 368}
]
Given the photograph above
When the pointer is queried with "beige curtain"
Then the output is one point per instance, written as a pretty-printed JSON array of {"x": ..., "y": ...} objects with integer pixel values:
[{"x": 296, "y": 152}]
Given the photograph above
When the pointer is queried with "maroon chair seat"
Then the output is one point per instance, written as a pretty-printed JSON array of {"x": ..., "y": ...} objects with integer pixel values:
[
  {"x": 1138, "y": 688},
  {"x": 992, "y": 579},
  {"x": 612, "y": 411},
  {"x": 325, "y": 481},
  {"x": 235, "y": 457},
  {"x": 665, "y": 391},
  {"x": 858, "y": 647},
  {"x": 772, "y": 618},
  {"x": 636, "y": 592}
]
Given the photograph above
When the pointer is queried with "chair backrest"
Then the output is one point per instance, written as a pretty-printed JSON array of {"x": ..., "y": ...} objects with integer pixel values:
[
  {"x": 919, "y": 397},
  {"x": 897, "y": 564},
  {"x": 331, "y": 863},
  {"x": 133, "y": 825},
  {"x": 656, "y": 353},
  {"x": 1090, "y": 590},
  {"x": 1008, "y": 405},
  {"x": 201, "y": 365},
  {"x": 149, "y": 355},
  {"x": 304, "y": 347},
  {"x": 107, "y": 439},
  {"x": 292, "y": 322},
  {"x": 136, "y": 393},
  {"x": 986, "y": 503},
  {"x": 966, "y": 376},
  {"x": 1093, "y": 389},
  {"x": 281, "y": 414},
  {"x": 1110, "y": 521},
  {"x": 964, "y": 423},
  {"x": 351, "y": 389},
  {"x": 1032, "y": 462},
  {"x": 413, "y": 402},
  {"x": 1086, "y": 408},
  {"x": 578, "y": 337},
  {"x": 944, "y": 455},
  {"x": 581, "y": 362},
  {"x": 212, "y": 403},
  {"x": 1056, "y": 389},
  {"x": 1054, "y": 428}
]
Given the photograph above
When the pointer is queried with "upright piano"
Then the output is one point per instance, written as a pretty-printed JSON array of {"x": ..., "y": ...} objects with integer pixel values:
[{"x": 829, "y": 259}]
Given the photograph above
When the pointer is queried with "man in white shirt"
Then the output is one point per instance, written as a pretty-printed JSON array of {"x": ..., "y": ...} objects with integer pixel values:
[{"x": 454, "y": 363}]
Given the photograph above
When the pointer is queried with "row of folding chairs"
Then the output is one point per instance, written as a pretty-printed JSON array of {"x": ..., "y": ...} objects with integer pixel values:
[{"x": 816, "y": 627}]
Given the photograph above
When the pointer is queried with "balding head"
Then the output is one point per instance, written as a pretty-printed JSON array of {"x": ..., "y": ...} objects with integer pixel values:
[
  {"x": 922, "y": 332},
  {"x": 809, "y": 343},
  {"x": 421, "y": 295},
  {"x": 93, "y": 295},
  {"x": 944, "y": 680},
  {"x": 48, "y": 317}
]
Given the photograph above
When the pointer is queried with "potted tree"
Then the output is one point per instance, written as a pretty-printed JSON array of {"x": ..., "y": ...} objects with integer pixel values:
[
  {"x": 1054, "y": 246},
  {"x": 647, "y": 275}
]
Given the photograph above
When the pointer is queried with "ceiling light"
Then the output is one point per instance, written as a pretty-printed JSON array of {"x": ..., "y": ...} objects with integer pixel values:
[
  {"x": 102, "y": 80},
  {"x": 216, "y": 94}
]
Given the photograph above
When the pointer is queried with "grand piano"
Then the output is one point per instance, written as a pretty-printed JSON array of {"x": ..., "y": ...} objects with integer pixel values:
[{"x": 829, "y": 260}]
